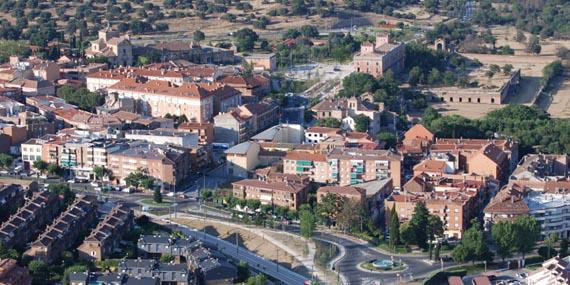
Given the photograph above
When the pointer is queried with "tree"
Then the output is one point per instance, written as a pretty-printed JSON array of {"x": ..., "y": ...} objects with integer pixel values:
[
  {"x": 63, "y": 190},
  {"x": 419, "y": 223},
  {"x": 473, "y": 246},
  {"x": 507, "y": 68},
  {"x": 147, "y": 182},
  {"x": 394, "y": 228},
  {"x": 166, "y": 258},
  {"x": 504, "y": 236},
  {"x": 407, "y": 234},
  {"x": 39, "y": 271},
  {"x": 520, "y": 37},
  {"x": 245, "y": 39},
  {"x": 198, "y": 36},
  {"x": 101, "y": 171},
  {"x": 489, "y": 74},
  {"x": 8, "y": 253},
  {"x": 434, "y": 227},
  {"x": 550, "y": 241},
  {"x": 53, "y": 169},
  {"x": 242, "y": 272},
  {"x": 357, "y": 83},
  {"x": 449, "y": 78},
  {"x": 258, "y": 279},
  {"x": 494, "y": 68},
  {"x": 527, "y": 232},
  {"x": 5, "y": 160},
  {"x": 328, "y": 122},
  {"x": 157, "y": 196},
  {"x": 533, "y": 46},
  {"x": 388, "y": 138},
  {"x": 563, "y": 248},
  {"x": 40, "y": 165},
  {"x": 434, "y": 76},
  {"x": 361, "y": 123},
  {"x": 307, "y": 221},
  {"x": 414, "y": 76},
  {"x": 329, "y": 207},
  {"x": 351, "y": 216}
]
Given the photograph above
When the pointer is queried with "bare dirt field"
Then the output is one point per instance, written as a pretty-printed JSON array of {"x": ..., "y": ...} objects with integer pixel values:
[
  {"x": 506, "y": 36},
  {"x": 253, "y": 242},
  {"x": 468, "y": 110}
]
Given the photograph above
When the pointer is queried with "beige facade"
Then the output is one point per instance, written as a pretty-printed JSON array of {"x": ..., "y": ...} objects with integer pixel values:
[
  {"x": 283, "y": 194},
  {"x": 117, "y": 49},
  {"x": 376, "y": 59},
  {"x": 242, "y": 158},
  {"x": 266, "y": 62}
]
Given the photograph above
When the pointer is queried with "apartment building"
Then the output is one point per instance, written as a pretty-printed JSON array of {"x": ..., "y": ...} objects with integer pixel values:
[
  {"x": 242, "y": 158},
  {"x": 252, "y": 88},
  {"x": 351, "y": 140},
  {"x": 79, "y": 155},
  {"x": 164, "y": 136},
  {"x": 313, "y": 165},
  {"x": 284, "y": 194},
  {"x": 352, "y": 166},
  {"x": 13, "y": 274},
  {"x": 30, "y": 219},
  {"x": 547, "y": 203},
  {"x": 344, "y": 109},
  {"x": 168, "y": 165},
  {"x": 464, "y": 149},
  {"x": 555, "y": 271},
  {"x": 155, "y": 246},
  {"x": 9, "y": 107},
  {"x": 417, "y": 141},
  {"x": 105, "y": 238},
  {"x": 375, "y": 59},
  {"x": 537, "y": 169},
  {"x": 455, "y": 202},
  {"x": 158, "y": 98},
  {"x": 204, "y": 131},
  {"x": 64, "y": 231},
  {"x": 36, "y": 125},
  {"x": 355, "y": 194},
  {"x": 241, "y": 123}
]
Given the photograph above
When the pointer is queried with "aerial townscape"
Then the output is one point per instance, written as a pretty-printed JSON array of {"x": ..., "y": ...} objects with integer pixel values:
[{"x": 294, "y": 142}]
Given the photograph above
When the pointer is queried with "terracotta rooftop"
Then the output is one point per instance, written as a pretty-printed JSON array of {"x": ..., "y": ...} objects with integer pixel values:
[
  {"x": 510, "y": 200},
  {"x": 323, "y": 130},
  {"x": 159, "y": 87},
  {"x": 418, "y": 131},
  {"x": 305, "y": 156},
  {"x": 430, "y": 165},
  {"x": 342, "y": 190},
  {"x": 245, "y": 82}
]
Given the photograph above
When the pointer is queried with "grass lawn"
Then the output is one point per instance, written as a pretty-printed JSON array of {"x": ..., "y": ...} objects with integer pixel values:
[
  {"x": 399, "y": 249},
  {"x": 369, "y": 266},
  {"x": 151, "y": 202}
]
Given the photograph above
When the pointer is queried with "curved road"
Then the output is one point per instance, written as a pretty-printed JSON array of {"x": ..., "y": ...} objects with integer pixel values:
[{"x": 356, "y": 252}]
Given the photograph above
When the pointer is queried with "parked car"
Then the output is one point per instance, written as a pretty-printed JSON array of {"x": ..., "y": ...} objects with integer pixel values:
[
  {"x": 170, "y": 194},
  {"x": 95, "y": 184},
  {"x": 71, "y": 181}
]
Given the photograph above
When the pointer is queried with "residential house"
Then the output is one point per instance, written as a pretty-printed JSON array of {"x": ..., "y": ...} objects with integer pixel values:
[
  {"x": 555, "y": 271},
  {"x": 242, "y": 158},
  {"x": 105, "y": 238},
  {"x": 155, "y": 246},
  {"x": 354, "y": 194},
  {"x": 168, "y": 274}
]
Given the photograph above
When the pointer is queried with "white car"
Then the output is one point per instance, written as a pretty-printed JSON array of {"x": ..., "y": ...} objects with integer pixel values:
[
  {"x": 170, "y": 194},
  {"x": 98, "y": 189},
  {"x": 71, "y": 181},
  {"x": 95, "y": 184}
]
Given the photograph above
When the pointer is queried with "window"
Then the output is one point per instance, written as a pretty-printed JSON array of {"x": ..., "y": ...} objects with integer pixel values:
[
  {"x": 478, "y": 100},
  {"x": 492, "y": 100}
]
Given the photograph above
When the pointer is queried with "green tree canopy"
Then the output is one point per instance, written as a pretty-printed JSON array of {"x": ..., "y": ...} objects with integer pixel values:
[
  {"x": 361, "y": 123},
  {"x": 245, "y": 39},
  {"x": 527, "y": 231},
  {"x": 394, "y": 228},
  {"x": 504, "y": 236}
]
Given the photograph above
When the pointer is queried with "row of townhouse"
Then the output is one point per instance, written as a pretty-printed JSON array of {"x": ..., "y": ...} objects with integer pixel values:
[
  {"x": 30, "y": 219},
  {"x": 64, "y": 231},
  {"x": 105, "y": 238}
]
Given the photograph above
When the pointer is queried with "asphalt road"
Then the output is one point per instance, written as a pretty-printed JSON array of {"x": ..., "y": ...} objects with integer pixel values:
[{"x": 356, "y": 253}]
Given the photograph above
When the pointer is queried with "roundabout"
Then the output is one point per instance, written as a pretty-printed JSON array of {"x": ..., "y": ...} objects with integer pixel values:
[{"x": 383, "y": 266}]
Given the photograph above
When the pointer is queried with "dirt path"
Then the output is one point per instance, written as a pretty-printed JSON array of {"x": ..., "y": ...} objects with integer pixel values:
[{"x": 557, "y": 102}]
